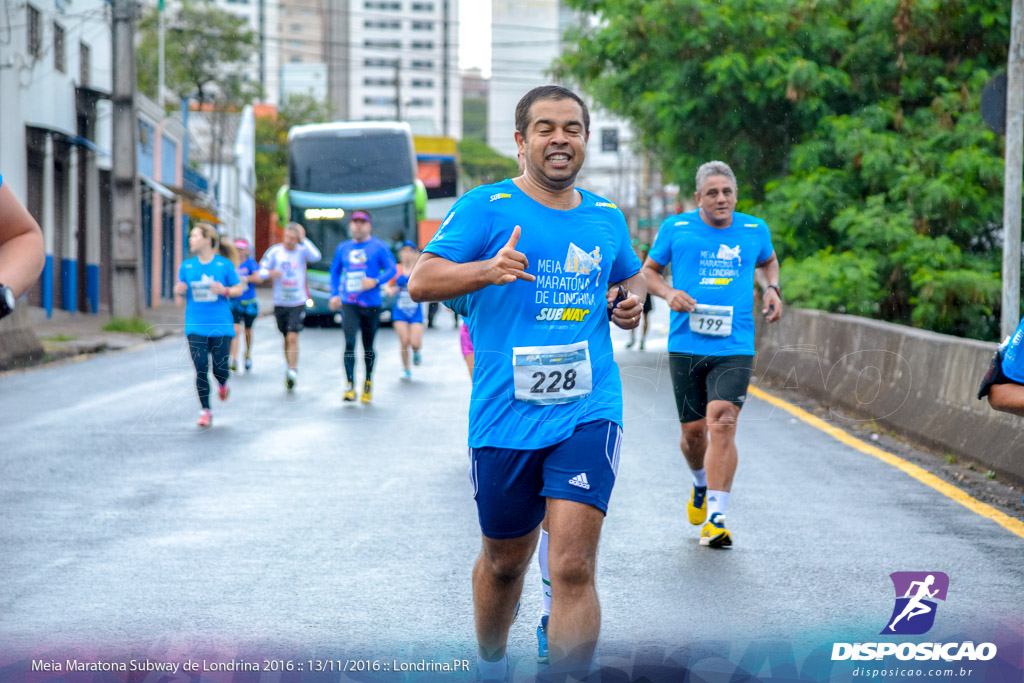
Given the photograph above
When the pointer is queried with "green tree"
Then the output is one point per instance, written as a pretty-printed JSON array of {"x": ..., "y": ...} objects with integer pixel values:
[
  {"x": 480, "y": 165},
  {"x": 474, "y": 119},
  {"x": 853, "y": 127},
  {"x": 205, "y": 50},
  {"x": 272, "y": 142}
]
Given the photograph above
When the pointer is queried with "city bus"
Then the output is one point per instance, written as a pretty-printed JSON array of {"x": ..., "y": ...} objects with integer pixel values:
[{"x": 337, "y": 168}]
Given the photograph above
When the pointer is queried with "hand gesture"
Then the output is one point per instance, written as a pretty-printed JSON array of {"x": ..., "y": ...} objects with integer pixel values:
[
  {"x": 334, "y": 303},
  {"x": 509, "y": 265},
  {"x": 772, "y": 309},
  {"x": 681, "y": 302},
  {"x": 217, "y": 287},
  {"x": 180, "y": 288}
]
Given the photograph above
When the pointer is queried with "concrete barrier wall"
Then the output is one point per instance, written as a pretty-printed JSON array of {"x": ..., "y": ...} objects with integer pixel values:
[
  {"x": 17, "y": 340},
  {"x": 920, "y": 384}
]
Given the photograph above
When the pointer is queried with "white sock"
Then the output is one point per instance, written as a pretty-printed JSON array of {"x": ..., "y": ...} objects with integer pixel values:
[
  {"x": 545, "y": 577},
  {"x": 491, "y": 671},
  {"x": 700, "y": 477},
  {"x": 717, "y": 500}
]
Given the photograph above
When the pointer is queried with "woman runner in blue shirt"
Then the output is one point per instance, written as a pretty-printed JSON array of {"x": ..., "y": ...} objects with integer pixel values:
[{"x": 208, "y": 279}]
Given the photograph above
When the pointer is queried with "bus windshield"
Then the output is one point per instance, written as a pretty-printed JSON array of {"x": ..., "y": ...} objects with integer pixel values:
[
  {"x": 349, "y": 162},
  {"x": 389, "y": 224}
]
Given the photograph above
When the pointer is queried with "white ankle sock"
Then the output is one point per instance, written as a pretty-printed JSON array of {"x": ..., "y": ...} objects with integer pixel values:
[
  {"x": 545, "y": 577},
  {"x": 717, "y": 500},
  {"x": 700, "y": 477},
  {"x": 491, "y": 671}
]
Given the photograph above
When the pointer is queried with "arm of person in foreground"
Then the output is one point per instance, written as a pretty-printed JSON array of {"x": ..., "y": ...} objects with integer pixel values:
[
  {"x": 22, "y": 253},
  {"x": 1007, "y": 398},
  {"x": 437, "y": 279},
  {"x": 770, "y": 297}
]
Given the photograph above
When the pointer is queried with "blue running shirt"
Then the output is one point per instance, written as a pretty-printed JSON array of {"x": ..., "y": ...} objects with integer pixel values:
[
  {"x": 1013, "y": 356},
  {"x": 208, "y": 314},
  {"x": 535, "y": 397},
  {"x": 355, "y": 260},
  {"x": 247, "y": 268},
  {"x": 715, "y": 266}
]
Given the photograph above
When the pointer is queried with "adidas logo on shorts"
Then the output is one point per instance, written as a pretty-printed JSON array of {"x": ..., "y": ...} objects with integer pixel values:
[{"x": 581, "y": 481}]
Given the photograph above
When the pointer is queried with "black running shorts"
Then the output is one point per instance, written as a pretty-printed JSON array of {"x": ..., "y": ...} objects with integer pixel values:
[
  {"x": 290, "y": 318},
  {"x": 698, "y": 380}
]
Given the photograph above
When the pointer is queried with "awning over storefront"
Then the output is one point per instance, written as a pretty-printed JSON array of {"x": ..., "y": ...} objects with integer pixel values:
[
  {"x": 161, "y": 190},
  {"x": 199, "y": 212}
]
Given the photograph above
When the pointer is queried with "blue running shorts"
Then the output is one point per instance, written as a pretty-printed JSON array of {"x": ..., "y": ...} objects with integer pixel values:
[
  {"x": 398, "y": 314},
  {"x": 510, "y": 485}
]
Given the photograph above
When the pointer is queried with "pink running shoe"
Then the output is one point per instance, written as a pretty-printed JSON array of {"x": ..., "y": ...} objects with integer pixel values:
[
  {"x": 205, "y": 418},
  {"x": 222, "y": 392}
]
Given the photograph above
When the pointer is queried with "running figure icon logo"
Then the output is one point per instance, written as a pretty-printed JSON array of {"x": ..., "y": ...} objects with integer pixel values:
[{"x": 916, "y": 595}]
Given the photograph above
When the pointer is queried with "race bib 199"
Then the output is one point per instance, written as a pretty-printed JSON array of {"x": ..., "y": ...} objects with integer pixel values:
[
  {"x": 546, "y": 375},
  {"x": 714, "y": 321}
]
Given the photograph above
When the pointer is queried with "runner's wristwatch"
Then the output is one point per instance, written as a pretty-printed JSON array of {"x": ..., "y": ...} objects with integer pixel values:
[
  {"x": 6, "y": 301},
  {"x": 776, "y": 288}
]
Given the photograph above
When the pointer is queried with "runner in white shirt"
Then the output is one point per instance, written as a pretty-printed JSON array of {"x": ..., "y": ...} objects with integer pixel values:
[{"x": 285, "y": 264}]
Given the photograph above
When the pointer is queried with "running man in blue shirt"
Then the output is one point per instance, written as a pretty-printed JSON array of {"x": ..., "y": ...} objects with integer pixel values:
[
  {"x": 537, "y": 266},
  {"x": 209, "y": 280},
  {"x": 714, "y": 253},
  {"x": 1004, "y": 383},
  {"x": 364, "y": 262},
  {"x": 245, "y": 308}
]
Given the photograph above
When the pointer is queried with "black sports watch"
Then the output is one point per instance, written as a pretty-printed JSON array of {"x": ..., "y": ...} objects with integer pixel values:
[
  {"x": 776, "y": 288},
  {"x": 7, "y": 301}
]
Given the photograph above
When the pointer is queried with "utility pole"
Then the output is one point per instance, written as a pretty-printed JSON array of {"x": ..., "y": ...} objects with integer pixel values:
[
  {"x": 398, "y": 88},
  {"x": 1014, "y": 165},
  {"x": 126, "y": 273},
  {"x": 161, "y": 68}
]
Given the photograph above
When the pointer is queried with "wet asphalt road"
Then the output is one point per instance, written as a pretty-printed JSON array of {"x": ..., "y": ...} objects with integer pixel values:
[{"x": 301, "y": 527}]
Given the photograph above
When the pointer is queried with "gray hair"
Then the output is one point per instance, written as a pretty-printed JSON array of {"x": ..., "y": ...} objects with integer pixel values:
[
  {"x": 714, "y": 168},
  {"x": 292, "y": 226}
]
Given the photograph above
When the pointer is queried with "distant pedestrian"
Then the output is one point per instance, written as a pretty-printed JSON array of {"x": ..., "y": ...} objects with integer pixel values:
[
  {"x": 406, "y": 315},
  {"x": 245, "y": 308},
  {"x": 285, "y": 264},
  {"x": 205, "y": 283}
]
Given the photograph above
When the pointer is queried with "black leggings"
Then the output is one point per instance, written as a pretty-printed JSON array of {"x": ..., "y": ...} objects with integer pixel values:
[
  {"x": 201, "y": 347},
  {"x": 353, "y": 319}
]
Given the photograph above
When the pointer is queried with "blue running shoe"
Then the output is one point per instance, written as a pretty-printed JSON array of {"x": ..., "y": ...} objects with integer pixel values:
[{"x": 542, "y": 640}]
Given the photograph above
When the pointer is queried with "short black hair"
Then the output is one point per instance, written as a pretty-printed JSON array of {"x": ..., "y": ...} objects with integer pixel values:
[{"x": 547, "y": 92}]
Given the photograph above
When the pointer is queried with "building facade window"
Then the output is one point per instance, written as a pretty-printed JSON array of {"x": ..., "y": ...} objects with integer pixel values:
[
  {"x": 59, "y": 51},
  {"x": 422, "y": 26},
  {"x": 422, "y": 83},
  {"x": 421, "y": 102},
  {"x": 35, "y": 32},
  {"x": 422, "y": 7},
  {"x": 394, "y": 6},
  {"x": 382, "y": 44},
  {"x": 84, "y": 64},
  {"x": 609, "y": 139},
  {"x": 379, "y": 81},
  {"x": 422, "y": 45},
  {"x": 379, "y": 101},
  {"x": 377, "y": 61},
  {"x": 422, "y": 64},
  {"x": 382, "y": 25}
]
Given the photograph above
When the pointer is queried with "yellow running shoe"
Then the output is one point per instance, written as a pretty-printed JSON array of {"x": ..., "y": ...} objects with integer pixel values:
[
  {"x": 697, "y": 507},
  {"x": 367, "y": 392},
  {"x": 714, "y": 533},
  {"x": 350, "y": 393}
]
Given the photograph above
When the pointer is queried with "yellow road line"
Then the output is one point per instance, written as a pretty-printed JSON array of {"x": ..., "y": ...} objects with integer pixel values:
[{"x": 922, "y": 475}]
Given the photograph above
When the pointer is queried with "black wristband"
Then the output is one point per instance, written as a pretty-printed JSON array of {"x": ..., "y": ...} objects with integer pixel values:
[{"x": 776, "y": 288}]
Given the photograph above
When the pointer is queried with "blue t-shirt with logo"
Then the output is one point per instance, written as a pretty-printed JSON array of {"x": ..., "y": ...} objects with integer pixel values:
[
  {"x": 355, "y": 260},
  {"x": 539, "y": 345},
  {"x": 248, "y": 267},
  {"x": 715, "y": 266},
  {"x": 208, "y": 314},
  {"x": 1013, "y": 356}
]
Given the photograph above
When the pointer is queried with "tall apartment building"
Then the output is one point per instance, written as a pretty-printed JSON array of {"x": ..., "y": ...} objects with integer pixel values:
[
  {"x": 526, "y": 37},
  {"x": 395, "y": 59},
  {"x": 302, "y": 48}
]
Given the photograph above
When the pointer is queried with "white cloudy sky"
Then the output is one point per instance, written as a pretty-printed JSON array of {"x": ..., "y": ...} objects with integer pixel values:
[{"x": 475, "y": 35}]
